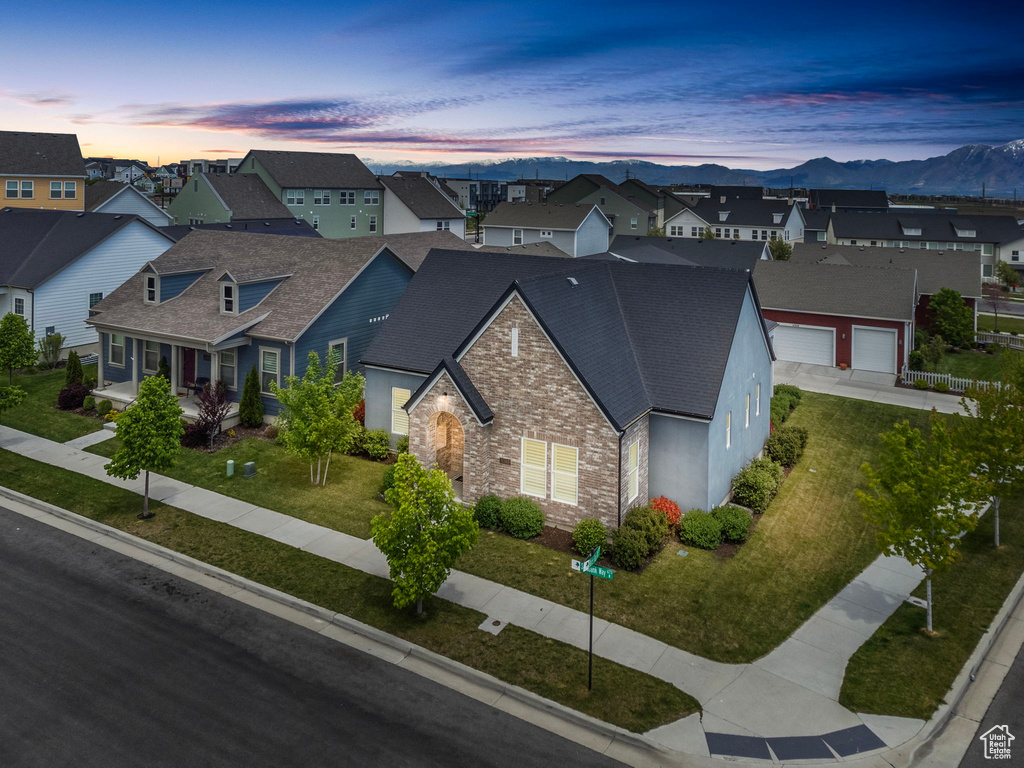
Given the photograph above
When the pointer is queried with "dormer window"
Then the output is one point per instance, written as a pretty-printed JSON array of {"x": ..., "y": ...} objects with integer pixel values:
[
  {"x": 152, "y": 291},
  {"x": 966, "y": 233},
  {"x": 723, "y": 215},
  {"x": 912, "y": 231},
  {"x": 227, "y": 298},
  {"x": 777, "y": 218}
]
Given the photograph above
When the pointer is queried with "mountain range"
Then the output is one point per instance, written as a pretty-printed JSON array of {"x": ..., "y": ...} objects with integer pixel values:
[{"x": 963, "y": 171}]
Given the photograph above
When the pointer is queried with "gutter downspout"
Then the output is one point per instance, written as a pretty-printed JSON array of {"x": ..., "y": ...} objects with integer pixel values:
[{"x": 618, "y": 496}]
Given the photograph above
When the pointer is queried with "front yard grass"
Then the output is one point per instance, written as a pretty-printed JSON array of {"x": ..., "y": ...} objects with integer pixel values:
[
  {"x": 36, "y": 414},
  {"x": 557, "y": 671},
  {"x": 900, "y": 671},
  {"x": 1007, "y": 323},
  {"x": 975, "y": 364},
  {"x": 812, "y": 541}
]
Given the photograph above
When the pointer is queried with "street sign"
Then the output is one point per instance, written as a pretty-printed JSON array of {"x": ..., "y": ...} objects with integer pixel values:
[
  {"x": 592, "y": 559},
  {"x": 589, "y": 568},
  {"x": 600, "y": 571}
]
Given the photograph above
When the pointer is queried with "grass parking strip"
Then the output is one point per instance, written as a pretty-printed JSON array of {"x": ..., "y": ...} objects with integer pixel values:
[{"x": 554, "y": 670}]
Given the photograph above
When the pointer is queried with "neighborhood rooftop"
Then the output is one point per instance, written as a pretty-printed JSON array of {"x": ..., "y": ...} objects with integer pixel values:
[
  {"x": 246, "y": 196},
  {"x": 422, "y": 197},
  {"x": 849, "y": 198},
  {"x": 538, "y": 215},
  {"x": 40, "y": 154},
  {"x": 286, "y": 226},
  {"x": 713, "y": 252},
  {"x": 316, "y": 170},
  {"x": 939, "y": 226},
  {"x": 742, "y": 211}
]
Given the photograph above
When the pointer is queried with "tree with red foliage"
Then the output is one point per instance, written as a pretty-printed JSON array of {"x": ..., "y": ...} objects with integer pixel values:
[{"x": 669, "y": 507}]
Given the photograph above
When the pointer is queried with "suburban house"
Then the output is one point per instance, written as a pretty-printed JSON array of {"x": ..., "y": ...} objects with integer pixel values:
[
  {"x": 578, "y": 230},
  {"x": 334, "y": 192},
  {"x": 848, "y": 200},
  {"x": 737, "y": 192},
  {"x": 661, "y": 201},
  {"x": 731, "y": 254},
  {"x": 568, "y": 382},
  {"x": 415, "y": 202},
  {"x": 42, "y": 170},
  {"x": 627, "y": 213},
  {"x": 223, "y": 197},
  {"x": 131, "y": 172},
  {"x": 738, "y": 218},
  {"x": 114, "y": 197},
  {"x": 294, "y": 227},
  {"x": 543, "y": 248},
  {"x": 56, "y": 265},
  {"x": 992, "y": 237},
  {"x": 218, "y": 304},
  {"x": 859, "y": 317},
  {"x": 935, "y": 271}
]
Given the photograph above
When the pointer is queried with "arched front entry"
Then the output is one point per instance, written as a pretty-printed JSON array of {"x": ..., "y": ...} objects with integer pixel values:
[{"x": 449, "y": 442}]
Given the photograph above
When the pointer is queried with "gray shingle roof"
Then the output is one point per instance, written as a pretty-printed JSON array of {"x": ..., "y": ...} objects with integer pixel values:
[
  {"x": 831, "y": 289},
  {"x": 730, "y": 254},
  {"x": 37, "y": 244},
  {"x": 745, "y": 213},
  {"x": 43, "y": 154},
  {"x": 938, "y": 227},
  {"x": 316, "y": 170},
  {"x": 848, "y": 198},
  {"x": 465, "y": 385},
  {"x": 289, "y": 226},
  {"x": 958, "y": 270},
  {"x": 538, "y": 215},
  {"x": 247, "y": 196},
  {"x": 535, "y": 249},
  {"x": 97, "y": 193},
  {"x": 610, "y": 325},
  {"x": 318, "y": 269},
  {"x": 421, "y": 197}
]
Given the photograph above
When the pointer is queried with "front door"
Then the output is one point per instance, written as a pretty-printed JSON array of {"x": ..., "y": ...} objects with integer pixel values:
[{"x": 188, "y": 367}]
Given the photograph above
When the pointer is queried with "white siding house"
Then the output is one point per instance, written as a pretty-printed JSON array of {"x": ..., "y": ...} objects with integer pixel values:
[
  {"x": 130, "y": 200},
  {"x": 576, "y": 230}
]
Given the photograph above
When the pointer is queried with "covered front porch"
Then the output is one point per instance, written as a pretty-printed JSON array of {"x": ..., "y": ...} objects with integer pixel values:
[{"x": 123, "y": 394}]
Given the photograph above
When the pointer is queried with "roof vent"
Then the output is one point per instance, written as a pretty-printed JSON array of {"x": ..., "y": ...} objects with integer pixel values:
[
  {"x": 117, "y": 217},
  {"x": 573, "y": 281},
  {"x": 901, "y": 251},
  {"x": 227, "y": 226},
  {"x": 862, "y": 247},
  {"x": 79, "y": 215},
  {"x": 191, "y": 229}
]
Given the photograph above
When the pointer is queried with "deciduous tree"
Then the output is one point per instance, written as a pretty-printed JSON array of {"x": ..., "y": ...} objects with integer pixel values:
[
  {"x": 780, "y": 249},
  {"x": 10, "y": 397},
  {"x": 17, "y": 347},
  {"x": 1006, "y": 274},
  {"x": 707, "y": 234},
  {"x": 994, "y": 295},
  {"x": 150, "y": 434},
  {"x": 933, "y": 351},
  {"x": 424, "y": 534},
  {"x": 952, "y": 319}
]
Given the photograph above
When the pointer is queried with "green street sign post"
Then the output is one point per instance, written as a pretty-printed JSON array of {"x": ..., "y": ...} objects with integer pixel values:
[{"x": 590, "y": 568}]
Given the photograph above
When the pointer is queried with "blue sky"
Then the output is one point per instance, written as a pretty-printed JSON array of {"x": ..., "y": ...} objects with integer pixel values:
[{"x": 744, "y": 84}]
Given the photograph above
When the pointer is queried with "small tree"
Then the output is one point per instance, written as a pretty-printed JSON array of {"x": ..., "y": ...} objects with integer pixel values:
[
  {"x": 656, "y": 232},
  {"x": 933, "y": 351},
  {"x": 952, "y": 319},
  {"x": 150, "y": 433},
  {"x": 10, "y": 397},
  {"x": 316, "y": 414},
  {"x": 17, "y": 347},
  {"x": 922, "y": 497},
  {"x": 213, "y": 407},
  {"x": 49, "y": 349},
  {"x": 1006, "y": 274},
  {"x": 164, "y": 369},
  {"x": 997, "y": 300},
  {"x": 780, "y": 249},
  {"x": 250, "y": 409},
  {"x": 707, "y": 234},
  {"x": 424, "y": 534},
  {"x": 73, "y": 372}
]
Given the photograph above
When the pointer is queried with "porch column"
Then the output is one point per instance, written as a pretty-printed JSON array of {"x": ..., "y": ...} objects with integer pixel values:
[
  {"x": 174, "y": 370},
  {"x": 214, "y": 371},
  {"x": 135, "y": 366},
  {"x": 99, "y": 361}
]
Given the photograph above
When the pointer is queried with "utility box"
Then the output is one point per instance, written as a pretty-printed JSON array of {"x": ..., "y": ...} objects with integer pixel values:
[
  {"x": 249, "y": 469},
  {"x": 231, "y": 467}
]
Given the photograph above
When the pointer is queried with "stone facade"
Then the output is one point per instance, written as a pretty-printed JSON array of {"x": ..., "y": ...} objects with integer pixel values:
[{"x": 533, "y": 395}]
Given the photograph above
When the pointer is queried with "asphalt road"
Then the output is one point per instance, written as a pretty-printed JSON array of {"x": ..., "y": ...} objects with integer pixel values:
[
  {"x": 108, "y": 662},
  {"x": 1009, "y": 308},
  {"x": 1007, "y": 709}
]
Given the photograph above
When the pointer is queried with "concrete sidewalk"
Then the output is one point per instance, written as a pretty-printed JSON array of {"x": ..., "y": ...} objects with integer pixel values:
[
  {"x": 792, "y": 692},
  {"x": 861, "y": 385}
]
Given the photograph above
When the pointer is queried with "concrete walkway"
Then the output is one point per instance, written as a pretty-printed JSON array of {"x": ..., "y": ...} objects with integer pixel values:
[
  {"x": 791, "y": 692},
  {"x": 90, "y": 439},
  {"x": 861, "y": 385}
]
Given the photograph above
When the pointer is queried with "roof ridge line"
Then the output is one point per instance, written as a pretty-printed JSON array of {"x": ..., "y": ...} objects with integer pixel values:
[{"x": 625, "y": 326}]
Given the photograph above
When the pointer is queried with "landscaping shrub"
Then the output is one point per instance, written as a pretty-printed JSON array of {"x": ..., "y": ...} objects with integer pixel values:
[
  {"x": 271, "y": 432},
  {"x": 387, "y": 480},
  {"x": 486, "y": 511},
  {"x": 916, "y": 361},
  {"x": 358, "y": 434},
  {"x": 402, "y": 444},
  {"x": 941, "y": 386},
  {"x": 49, "y": 350},
  {"x": 921, "y": 384},
  {"x": 788, "y": 390},
  {"x": 112, "y": 415},
  {"x": 377, "y": 443},
  {"x": 90, "y": 383},
  {"x": 650, "y": 522},
  {"x": 757, "y": 483},
  {"x": 73, "y": 372},
  {"x": 588, "y": 535},
  {"x": 786, "y": 445},
  {"x": 629, "y": 548},
  {"x": 250, "y": 409},
  {"x": 72, "y": 397},
  {"x": 734, "y": 522},
  {"x": 196, "y": 435},
  {"x": 785, "y": 397},
  {"x": 700, "y": 529},
  {"x": 103, "y": 407},
  {"x": 921, "y": 337},
  {"x": 359, "y": 412},
  {"x": 521, "y": 518},
  {"x": 89, "y": 403},
  {"x": 669, "y": 507},
  {"x": 164, "y": 368}
]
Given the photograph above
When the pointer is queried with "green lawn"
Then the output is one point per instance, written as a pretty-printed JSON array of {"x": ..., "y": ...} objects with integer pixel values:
[
  {"x": 975, "y": 364},
  {"x": 36, "y": 413},
  {"x": 901, "y": 671},
  {"x": 557, "y": 671},
  {"x": 1006, "y": 323},
  {"x": 809, "y": 544}
]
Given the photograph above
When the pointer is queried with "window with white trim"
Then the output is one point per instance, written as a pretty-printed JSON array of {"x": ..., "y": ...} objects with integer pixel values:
[
  {"x": 533, "y": 468},
  {"x": 746, "y": 413},
  {"x": 757, "y": 402},
  {"x": 515, "y": 342},
  {"x": 227, "y": 298},
  {"x": 564, "y": 473},
  {"x": 56, "y": 190},
  {"x": 371, "y": 197},
  {"x": 226, "y": 367},
  {"x": 399, "y": 418},
  {"x": 152, "y": 289},
  {"x": 546, "y": 233},
  {"x": 517, "y": 237},
  {"x": 12, "y": 189},
  {"x": 321, "y": 197},
  {"x": 151, "y": 357},
  {"x": 822, "y": 236},
  {"x": 633, "y": 222},
  {"x": 19, "y": 306},
  {"x": 633, "y": 470},
  {"x": 444, "y": 225},
  {"x": 373, "y": 223},
  {"x": 270, "y": 369},
  {"x": 70, "y": 190},
  {"x": 94, "y": 299},
  {"x": 352, "y": 222},
  {"x": 718, "y": 231},
  {"x": 336, "y": 350},
  {"x": 295, "y": 197},
  {"x": 347, "y": 197},
  {"x": 116, "y": 353},
  {"x": 28, "y": 189},
  {"x": 694, "y": 231},
  {"x": 728, "y": 430},
  {"x": 674, "y": 231},
  {"x": 986, "y": 270},
  {"x": 316, "y": 223}
]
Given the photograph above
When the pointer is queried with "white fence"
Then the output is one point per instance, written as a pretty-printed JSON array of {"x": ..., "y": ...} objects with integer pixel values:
[
  {"x": 1013, "y": 342},
  {"x": 955, "y": 383}
]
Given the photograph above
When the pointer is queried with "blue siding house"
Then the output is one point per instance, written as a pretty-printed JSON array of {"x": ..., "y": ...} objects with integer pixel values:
[{"x": 218, "y": 304}]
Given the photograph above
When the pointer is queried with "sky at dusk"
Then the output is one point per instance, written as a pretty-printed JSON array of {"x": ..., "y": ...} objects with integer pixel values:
[{"x": 744, "y": 84}]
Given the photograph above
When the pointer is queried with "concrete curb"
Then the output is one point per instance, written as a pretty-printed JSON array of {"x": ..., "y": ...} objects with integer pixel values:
[{"x": 533, "y": 700}]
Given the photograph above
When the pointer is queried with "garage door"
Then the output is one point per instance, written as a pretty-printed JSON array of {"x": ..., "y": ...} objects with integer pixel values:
[
  {"x": 804, "y": 344},
  {"x": 874, "y": 349}
]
